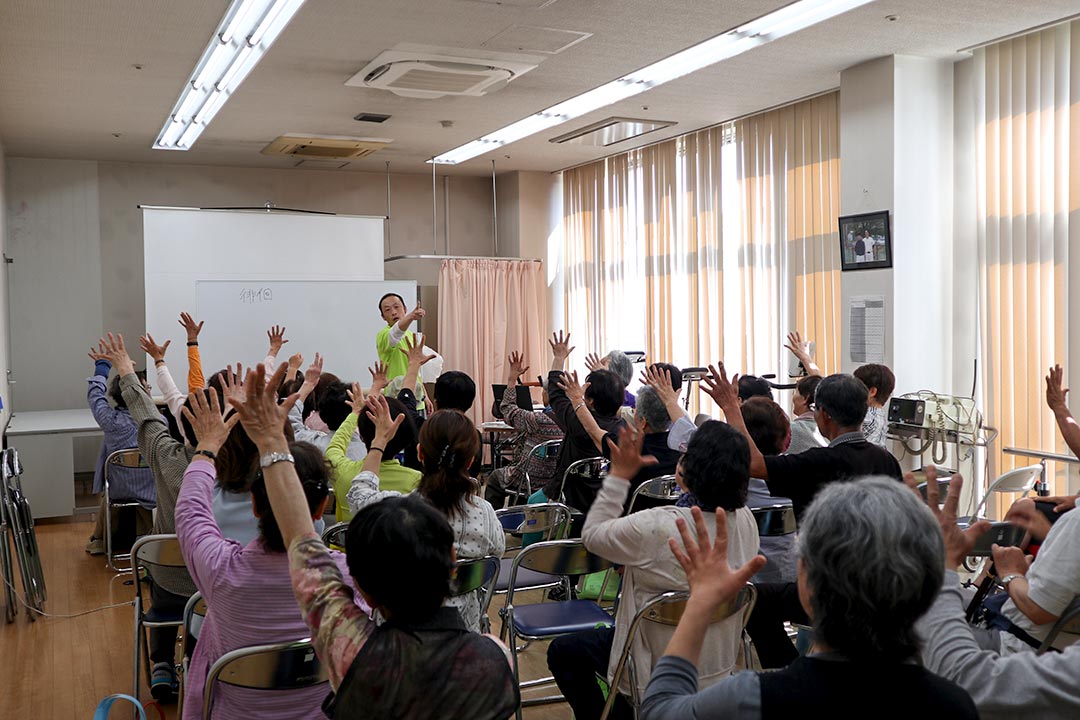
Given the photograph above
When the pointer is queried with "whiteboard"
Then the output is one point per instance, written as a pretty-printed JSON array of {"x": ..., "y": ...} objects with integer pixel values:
[
  {"x": 337, "y": 318},
  {"x": 183, "y": 247}
]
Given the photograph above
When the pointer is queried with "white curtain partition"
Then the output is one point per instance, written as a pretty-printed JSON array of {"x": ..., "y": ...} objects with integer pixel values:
[
  {"x": 488, "y": 308},
  {"x": 1028, "y": 182}
]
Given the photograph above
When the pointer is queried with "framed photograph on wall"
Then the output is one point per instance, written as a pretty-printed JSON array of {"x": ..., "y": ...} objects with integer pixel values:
[{"x": 865, "y": 242}]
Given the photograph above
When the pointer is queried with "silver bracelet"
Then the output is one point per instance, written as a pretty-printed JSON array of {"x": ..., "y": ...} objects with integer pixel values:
[{"x": 275, "y": 457}]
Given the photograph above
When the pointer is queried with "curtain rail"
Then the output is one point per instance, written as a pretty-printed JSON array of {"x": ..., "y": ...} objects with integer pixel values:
[{"x": 706, "y": 127}]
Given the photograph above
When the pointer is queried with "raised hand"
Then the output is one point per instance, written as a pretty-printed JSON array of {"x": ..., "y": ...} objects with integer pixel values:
[
  {"x": 575, "y": 391},
  {"x": 595, "y": 362},
  {"x": 276, "y": 334},
  {"x": 209, "y": 423},
  {"x": 626, "y": 457},
  {"x": 958, "y": 543},
  {"x": 232, "y": 383},
  {"x": 190, "y": 327},
  {"x": 797, "y": 346},
  {"x": 659, "y": 379},
  {"x": 296, "y": 361},
  {"x": 378, "y": 378},
  {"x": 99, "y": 353},
  {"x": 260, "y": 414},
  {"x": 704, "y": 560},
  {"x": 114, "y": 351},
  {"x": 724, "y": 392},
  {"x": 1056, "y": 396},
  {"x": 314, "y": 371},
  {"x": 560, "y": 345},
  {"x": 356, "y": 398},
  {"x": 414, "y": 350},
  {"x": 378, "y": 410},
  {"x": 517, "y": 366},
  {"x": 157, "y": 352},
  {"x": 417, "y": 313}
]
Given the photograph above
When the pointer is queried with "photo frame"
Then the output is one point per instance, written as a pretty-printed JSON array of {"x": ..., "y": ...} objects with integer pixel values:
[{"x": 865, "y": 241}]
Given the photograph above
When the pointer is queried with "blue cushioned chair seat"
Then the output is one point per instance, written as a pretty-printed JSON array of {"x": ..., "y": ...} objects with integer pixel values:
[
  {"x": 525, "y": 577},
  {"x": 557, "y": 618},
  {"x": 153, "y": 615}
]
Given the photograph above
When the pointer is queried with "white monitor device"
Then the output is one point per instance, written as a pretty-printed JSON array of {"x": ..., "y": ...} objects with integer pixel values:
[{"x": 321, "y": 276}]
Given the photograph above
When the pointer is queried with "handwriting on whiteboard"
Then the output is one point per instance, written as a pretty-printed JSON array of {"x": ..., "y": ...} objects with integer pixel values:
[{"x": 250, "y": 296}]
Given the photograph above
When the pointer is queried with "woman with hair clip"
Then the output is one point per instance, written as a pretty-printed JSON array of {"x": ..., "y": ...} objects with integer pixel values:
[
  {"x": 448, "y": 445},
  {"x": 246, "y": 586}
]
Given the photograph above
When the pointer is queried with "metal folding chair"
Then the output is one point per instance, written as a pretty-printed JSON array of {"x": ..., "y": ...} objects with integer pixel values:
[
  {"x": 540, "y": 451},
  {"x": 479, "y": 574},
  {"x": 195, "y": 608},
  {"x": 20, "y": 520},
  {"x": 160, "y": 556},
  {"x": 1021, "y": 480},
  {"x": 775, "y": 520},
  {"x": 1068, "y": 622},
  {"x": 279, "y": 666},
  {"x": 131, "y": 459},
  {"x": 333, "y": 537},
  {"x": 542, "y": 621},
  {"x": 588, "y": 471},
  {"x": 662, "y": 489},
  {"x": 667, "y": 609},
  {"x": 7, "y": 567},
  {"x": 551, "y": 521}
]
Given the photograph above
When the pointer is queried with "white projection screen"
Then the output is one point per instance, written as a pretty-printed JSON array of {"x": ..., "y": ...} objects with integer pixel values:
[{"x": 242, "y": 271}]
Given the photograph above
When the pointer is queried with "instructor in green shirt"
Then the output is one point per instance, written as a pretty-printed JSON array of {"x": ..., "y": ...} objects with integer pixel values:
[{"x": 389, "y": 341}]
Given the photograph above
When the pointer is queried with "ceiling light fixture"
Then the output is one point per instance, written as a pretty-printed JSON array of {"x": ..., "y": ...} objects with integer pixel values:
[
  {"x": 785, "y": 21},
  {"x": 246, "y": 32}
]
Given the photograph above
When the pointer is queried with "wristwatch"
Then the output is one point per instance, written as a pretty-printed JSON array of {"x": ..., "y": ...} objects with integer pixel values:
[
  {"x": 275, "y": 457},
  {"x": 1008, "y": 579}
]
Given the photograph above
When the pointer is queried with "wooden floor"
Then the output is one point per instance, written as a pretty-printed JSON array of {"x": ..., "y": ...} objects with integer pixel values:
[{"x": 59, "y": 668}]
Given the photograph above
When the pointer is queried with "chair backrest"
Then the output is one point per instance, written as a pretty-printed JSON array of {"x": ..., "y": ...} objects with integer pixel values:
[
  {"x": 540, "y": 451},
  {"x": 590, "y": 469},
  {"x": 129, "y": 458},
  {"x": 11, "y": 465},
  {"x": 334, "y": 536},
  {"x": 1019, "y": 480},
  {"x": 281, "y": 666},
  {"x": 195, "y": 606},
  {"x": 159, "y": 551},
  {"x": 556, "y": 557},
  {"x": 663, "y": 489},
  {"x": 1068, "y": 622},
  {"x": 552, "y": 520},
  {"x": 667, "y": 609},
  {"x": 774, "y": 520},
  {"x": 472, "y": 575}
]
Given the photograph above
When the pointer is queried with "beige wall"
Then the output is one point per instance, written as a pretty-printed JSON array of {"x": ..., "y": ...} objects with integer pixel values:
[
  {"x": 75, "y": 231},
  {"x": 5, "y": 361}
]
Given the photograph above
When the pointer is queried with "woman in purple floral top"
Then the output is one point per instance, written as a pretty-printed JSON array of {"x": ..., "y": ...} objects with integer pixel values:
[{"x": 420, "y": 663}]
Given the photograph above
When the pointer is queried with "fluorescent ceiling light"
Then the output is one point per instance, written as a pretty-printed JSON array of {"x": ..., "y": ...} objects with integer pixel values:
[
  {"x": 246, "y": 32},
  {"x": 785, "y": 21}
]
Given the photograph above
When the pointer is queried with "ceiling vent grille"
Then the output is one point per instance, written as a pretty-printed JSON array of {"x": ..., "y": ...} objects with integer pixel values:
[
  {"x": 416, "y": 71},
  {"x": 325, "y": 146}
]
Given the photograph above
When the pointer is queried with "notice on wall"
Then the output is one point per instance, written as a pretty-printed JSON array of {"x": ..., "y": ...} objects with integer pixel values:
[{"x": 867, "y": 328}]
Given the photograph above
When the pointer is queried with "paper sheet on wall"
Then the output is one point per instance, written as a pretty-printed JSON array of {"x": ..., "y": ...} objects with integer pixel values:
[{"x": 867, "y": 328}]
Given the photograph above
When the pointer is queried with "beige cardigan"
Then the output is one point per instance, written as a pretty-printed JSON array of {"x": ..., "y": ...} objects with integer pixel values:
[{"x": 640, "y": 543}]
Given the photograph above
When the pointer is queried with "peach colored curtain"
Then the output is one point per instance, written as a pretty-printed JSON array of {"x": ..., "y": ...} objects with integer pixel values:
[
  {"x": 1028, "y": 184},
  {"x": 789, "y": 279},
  {"x": 488, "y": 308}
]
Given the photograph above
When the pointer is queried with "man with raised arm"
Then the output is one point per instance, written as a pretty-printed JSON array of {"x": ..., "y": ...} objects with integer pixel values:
[{"x": 389, "y": 340}]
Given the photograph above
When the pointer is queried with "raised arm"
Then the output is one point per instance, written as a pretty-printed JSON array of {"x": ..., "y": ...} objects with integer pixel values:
[
  {"x": 107, "y": 417},
  {"x": 1056, "y": 398},
  {"x": 801, "y": 350},
  {"x": 659, "y": 379},
  {"x": 174, "y": 399},
  {"x": 518, "y": 418},
  {"x": 414, "y": 353},
  {"x": 196, "y": 381},
  {"x": 605, "y": 532},
  {"x": 276, "y": 336},
  {"x": 726, "y": 395},
  {"x": 575, "y": 392},
  {"x": 560, "y": 350},
  {"x": 398, "y": 329}
]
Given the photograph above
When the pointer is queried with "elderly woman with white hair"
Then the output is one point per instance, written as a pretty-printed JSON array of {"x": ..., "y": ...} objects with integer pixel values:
[{"x": 871, "y": 561}]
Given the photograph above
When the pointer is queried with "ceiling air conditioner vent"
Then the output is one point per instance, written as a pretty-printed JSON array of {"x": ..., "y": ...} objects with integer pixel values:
[
  {"x": 416, "y": 71},
  {"x": 325, "y": 146}
]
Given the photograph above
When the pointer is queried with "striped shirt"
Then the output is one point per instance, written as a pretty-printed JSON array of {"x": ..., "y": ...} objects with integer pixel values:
[
  {"x": 251, "y": 602},
  {"x": 120, "y": 434}
]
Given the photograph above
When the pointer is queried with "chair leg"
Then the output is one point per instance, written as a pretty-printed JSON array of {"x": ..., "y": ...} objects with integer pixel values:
[
  {"x": 136, "y": 646},
  {"x": 509, "y": 621}
]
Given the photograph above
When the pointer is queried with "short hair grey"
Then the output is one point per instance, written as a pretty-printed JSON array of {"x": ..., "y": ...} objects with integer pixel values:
[
  {"x": 874, "y": 560},
  {"x": 651, "y": 407},
  {"x": 620, "y": 364}
]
